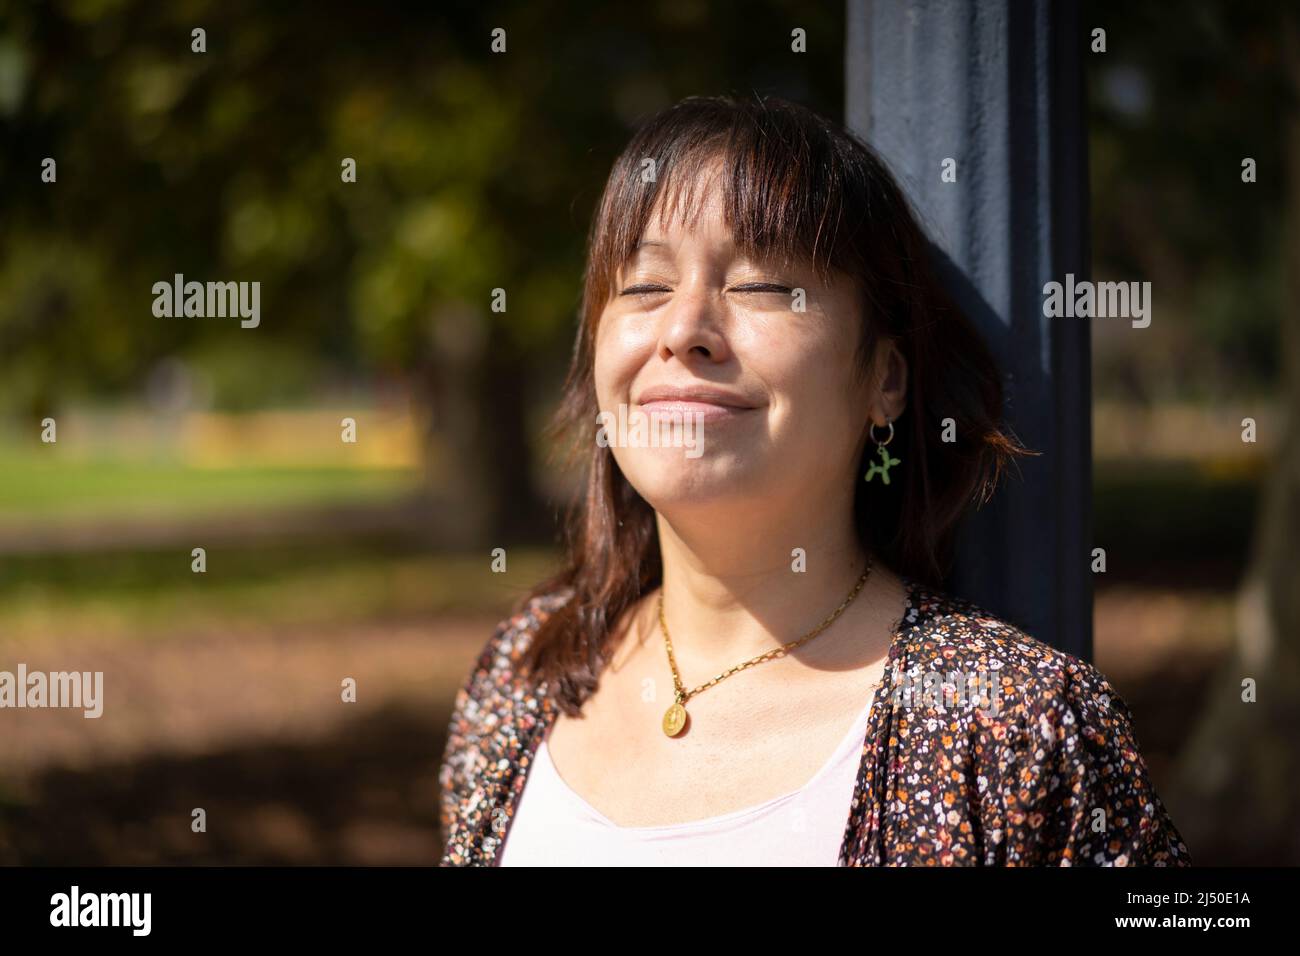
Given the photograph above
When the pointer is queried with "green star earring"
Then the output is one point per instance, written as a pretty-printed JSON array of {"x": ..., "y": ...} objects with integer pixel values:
[{"x": 881, "y": 467}]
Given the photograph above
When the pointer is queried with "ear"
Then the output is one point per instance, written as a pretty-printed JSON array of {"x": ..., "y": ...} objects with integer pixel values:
[{"x": 889, "y": 375}]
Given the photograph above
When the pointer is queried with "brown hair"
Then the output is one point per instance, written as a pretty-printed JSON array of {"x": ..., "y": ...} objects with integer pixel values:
[{"x": 793, "y": 184}]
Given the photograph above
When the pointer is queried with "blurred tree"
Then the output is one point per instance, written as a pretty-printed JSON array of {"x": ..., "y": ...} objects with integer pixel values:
[
  {"x": 1237, "y": 793},
  {"x": 1177, "y": 101},
  {"x": 475, "y": 171}
]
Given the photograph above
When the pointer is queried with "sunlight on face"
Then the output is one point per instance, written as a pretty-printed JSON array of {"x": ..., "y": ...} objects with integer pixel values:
[{"x": 695, "y": 329}]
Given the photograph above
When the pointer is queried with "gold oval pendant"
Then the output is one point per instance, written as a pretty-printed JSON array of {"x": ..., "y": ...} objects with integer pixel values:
[{"x": 674, "y": 720}]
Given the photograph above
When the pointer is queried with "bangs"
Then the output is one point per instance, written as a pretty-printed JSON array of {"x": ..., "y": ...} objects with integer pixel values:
[{"x": 784, "y": 189}]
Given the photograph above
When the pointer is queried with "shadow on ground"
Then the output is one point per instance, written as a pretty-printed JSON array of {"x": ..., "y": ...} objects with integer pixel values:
[{"x": 366, "y": 795}]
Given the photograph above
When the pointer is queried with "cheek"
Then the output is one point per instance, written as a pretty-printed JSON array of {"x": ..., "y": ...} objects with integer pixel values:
[
  {"x": 806, "y": 368},
  {"x": 814, "y": 394},
  {"x": 609, "y": 361},
  {"x": 620, "y": 351},
  {"x": 602, "y": 376}
]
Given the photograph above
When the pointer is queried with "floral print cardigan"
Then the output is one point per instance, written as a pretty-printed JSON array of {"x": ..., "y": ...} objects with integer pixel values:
[{"x": 1050, "y": 777}]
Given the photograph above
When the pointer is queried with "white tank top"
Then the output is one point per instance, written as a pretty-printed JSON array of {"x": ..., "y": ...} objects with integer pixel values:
[{"x": 554, "y": 826}]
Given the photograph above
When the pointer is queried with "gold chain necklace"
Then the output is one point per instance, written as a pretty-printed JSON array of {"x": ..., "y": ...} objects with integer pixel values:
[{"x": 675, "y": 717}]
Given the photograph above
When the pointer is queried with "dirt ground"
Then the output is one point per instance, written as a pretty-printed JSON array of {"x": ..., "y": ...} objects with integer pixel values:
[{"x": 251, "y": 728}]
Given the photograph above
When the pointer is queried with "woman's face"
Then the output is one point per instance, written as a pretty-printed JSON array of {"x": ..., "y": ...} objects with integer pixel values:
[{"x": 695, "y": 329}]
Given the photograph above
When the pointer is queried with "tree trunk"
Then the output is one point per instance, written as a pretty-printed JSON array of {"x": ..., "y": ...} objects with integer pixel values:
[{"x": 483, "y": 491}]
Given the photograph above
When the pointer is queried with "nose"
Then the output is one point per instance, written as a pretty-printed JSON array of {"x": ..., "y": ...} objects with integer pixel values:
[{"x": 692, "y": 327}]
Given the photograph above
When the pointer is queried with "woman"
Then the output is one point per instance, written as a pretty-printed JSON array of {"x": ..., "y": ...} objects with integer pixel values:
[{"x": 746, "y": 658}]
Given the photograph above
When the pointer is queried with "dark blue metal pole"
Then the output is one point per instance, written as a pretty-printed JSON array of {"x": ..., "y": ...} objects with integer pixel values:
[{"x": 997, "y": 86}]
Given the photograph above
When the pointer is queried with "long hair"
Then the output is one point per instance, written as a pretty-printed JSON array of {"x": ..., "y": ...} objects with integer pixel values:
[{"x": 793, "y": 184}]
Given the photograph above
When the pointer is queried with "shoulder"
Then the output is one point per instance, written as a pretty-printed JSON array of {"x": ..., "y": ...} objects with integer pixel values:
[
  {"x": 1060, "y": 775},
  {"x": 490, "y": 714},
  {"x": 945, "y": 632},
  {"x": 496, "y": 665},
  {"x": 514, "y": 633}
]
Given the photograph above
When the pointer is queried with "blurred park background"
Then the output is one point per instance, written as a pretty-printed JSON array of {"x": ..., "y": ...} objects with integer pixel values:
[{"x": 371, "y": 560}]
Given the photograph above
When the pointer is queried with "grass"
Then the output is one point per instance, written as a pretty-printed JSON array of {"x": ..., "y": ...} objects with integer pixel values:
[
  {"x": 1150, "y": 516},
  {"x": 143, "y": 594},
  {"x": 32, "y": 488},
  {"x": 150, "y": 595}
]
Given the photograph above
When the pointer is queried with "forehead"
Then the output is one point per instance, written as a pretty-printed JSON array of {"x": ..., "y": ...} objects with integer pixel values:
[
  {"x": 683, "y": 208},
  {"x": 723, "y": 205},
  {"x": 676, "y": 225}
]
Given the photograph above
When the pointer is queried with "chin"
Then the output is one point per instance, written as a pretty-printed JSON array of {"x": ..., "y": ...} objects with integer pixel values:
[{"x": 670, "y": 481}]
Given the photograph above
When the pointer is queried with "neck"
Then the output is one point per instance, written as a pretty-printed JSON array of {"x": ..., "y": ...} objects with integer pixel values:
[{"x": 733, "y": 589}]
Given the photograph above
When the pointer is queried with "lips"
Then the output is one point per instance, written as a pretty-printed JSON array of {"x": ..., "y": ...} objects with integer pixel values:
[
  {"x": 698, "y": 403},
  {"x": 687, "y": 396}
]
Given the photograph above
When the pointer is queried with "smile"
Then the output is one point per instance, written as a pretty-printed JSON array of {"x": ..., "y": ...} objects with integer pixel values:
[
  {"x": 705, "y": 411},
  {"x": 703, "y": 402}
]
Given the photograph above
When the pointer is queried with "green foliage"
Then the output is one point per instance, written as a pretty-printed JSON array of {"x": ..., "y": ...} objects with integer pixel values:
[
  {"x": 474, "y": 170},
  {"x": 1180, "y": 97}
]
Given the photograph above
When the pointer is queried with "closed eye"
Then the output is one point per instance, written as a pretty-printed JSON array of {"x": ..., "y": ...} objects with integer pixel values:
[
  {"x": 762, "y": 287},
  {"x": 647, "y": 289}
]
